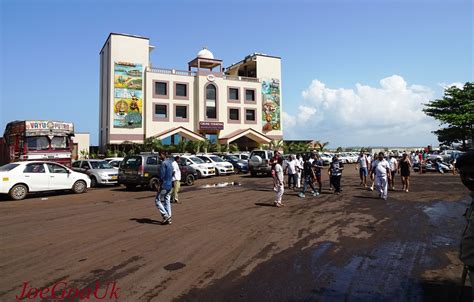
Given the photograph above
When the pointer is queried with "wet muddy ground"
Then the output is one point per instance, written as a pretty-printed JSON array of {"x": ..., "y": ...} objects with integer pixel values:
[{"x": 227, "y": 243}]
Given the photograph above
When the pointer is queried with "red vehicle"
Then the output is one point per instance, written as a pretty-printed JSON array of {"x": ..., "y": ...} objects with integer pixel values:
[{"x": 37, "y": 140}]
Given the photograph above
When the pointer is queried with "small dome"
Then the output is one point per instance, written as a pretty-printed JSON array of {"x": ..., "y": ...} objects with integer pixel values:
[{"x": 205, "y": 54}]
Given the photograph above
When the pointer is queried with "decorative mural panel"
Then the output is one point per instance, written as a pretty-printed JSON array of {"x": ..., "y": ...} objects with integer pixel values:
[
  {"x": 271, "y": 105},
  {"x": 128, "y": 95}
]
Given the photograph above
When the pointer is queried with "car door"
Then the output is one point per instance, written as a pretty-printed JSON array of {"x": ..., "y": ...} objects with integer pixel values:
[
  {"x": 59, "y": 177},
  {"x": 36, "y": 177}
]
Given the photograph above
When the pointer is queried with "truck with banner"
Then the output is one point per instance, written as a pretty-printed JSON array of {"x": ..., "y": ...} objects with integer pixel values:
[{"x": 37, "y": 140}]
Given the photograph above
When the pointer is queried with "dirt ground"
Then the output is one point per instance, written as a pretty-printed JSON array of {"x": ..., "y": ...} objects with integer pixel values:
[{"x": 227, "y": 243}]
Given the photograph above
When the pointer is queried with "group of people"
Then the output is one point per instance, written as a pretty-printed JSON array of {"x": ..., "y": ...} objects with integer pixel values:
[
  {"x": 382, "y": 172},
  {"x": 305, "y": 172}
]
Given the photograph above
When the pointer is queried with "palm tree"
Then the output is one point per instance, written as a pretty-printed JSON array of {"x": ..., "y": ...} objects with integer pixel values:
[
  {"x": 181, "y": 146},
  {"x": 277, "y": 144},
  {"x": 233, "y": 148},
  {"x": 302, "y": 147},
  {"x": 196, "y": 146},
  {"x": 323, "y": 146},
  {"x": 206, "y": 145}
]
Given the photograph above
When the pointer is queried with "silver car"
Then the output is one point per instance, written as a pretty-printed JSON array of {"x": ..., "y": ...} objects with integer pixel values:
[{"x": 99, "y": 171}]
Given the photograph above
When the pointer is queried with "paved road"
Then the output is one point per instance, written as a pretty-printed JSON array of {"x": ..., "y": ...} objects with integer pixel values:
[{"x": 227, "y": 243}]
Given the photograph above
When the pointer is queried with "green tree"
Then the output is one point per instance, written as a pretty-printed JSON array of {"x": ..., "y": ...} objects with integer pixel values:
[
  {"x": 339, "y": 149},
  {"x": 455, "y": 111},
  {"x": 277, "y": 144},
  {"x": 181, "y": 146},
  {"x": 196, "y": 146},
  {"x": 233, "y": 148},
  {"x": 206, "y": 145}
]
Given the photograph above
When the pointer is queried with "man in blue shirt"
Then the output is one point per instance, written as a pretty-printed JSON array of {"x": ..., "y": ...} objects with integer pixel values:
[
  {"x": 335, "y": 173},
  {"x": 164, "y": 193}
]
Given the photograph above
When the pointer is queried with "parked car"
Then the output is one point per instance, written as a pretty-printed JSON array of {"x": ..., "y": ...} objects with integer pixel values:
[
  {"x": 203, "y": 169},
  {"x": 326, "y": 158},
  {"x": 21, "y": 178},
  {"x": 446, "y": 155},
  {"x": 240, "y": 166},
  {"x": 242, "y": 156},
  {"x": 115, "y": 163},
  {"x": 259, "y": 162},
  {"x": 99, "y": 171},
  {"x": 140, "y": 170},
  {"x": 109, "y": 159},
  {"x": 188, "y": 173},
  {"x": 434, "y": 166},
  {"x": 221, "y": 166}
]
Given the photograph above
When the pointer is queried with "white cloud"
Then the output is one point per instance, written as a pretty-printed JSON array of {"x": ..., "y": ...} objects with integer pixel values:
[
  {"x": 457, "y": 84},
  {"x": 387, "y": 115}
]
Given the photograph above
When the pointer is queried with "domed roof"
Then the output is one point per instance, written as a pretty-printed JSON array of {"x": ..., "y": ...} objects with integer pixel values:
[{"x": 205, "y": 54}]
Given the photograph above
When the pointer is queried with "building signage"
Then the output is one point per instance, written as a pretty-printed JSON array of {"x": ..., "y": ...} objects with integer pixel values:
[
  {"x": 49, "y": 125},
  {"x": 128, "y": 95},
  {"x": 271, "y": 105},
  {"x": 211, "y": 125}
]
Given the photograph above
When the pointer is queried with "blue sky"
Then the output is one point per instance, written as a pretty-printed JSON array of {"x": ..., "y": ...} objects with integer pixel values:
[{"x": 334, "y": 54}]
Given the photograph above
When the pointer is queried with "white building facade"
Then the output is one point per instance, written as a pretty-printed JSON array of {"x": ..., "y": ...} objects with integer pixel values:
[{"x": 239, "y": 104}]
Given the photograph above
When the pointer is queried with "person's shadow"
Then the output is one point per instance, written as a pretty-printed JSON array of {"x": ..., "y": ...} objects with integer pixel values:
[{"x": 146, "y": 221}]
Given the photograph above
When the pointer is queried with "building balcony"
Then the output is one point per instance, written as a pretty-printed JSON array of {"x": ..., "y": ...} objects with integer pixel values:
[
  {"x": 171, "y": 71},
  {"x": 202, "y": 73}
]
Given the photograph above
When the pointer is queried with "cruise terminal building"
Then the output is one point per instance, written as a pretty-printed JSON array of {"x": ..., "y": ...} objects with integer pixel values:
[{"x": 239, "y": 104}]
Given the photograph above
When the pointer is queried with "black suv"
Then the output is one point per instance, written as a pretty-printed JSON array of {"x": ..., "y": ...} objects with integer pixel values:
[{"x": 144, "y": 170}]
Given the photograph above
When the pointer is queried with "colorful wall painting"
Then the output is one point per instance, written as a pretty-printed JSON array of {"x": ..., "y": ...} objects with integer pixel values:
[
  {"x": 128, "y": 95},
  {"x": 271, "y": 105}
]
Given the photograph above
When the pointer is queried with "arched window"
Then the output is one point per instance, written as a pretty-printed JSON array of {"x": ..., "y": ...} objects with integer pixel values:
[{"x": 211, "y": 102}]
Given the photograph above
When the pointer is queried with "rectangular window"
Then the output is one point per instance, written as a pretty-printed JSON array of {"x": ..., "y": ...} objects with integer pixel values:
[
  {"x": 250, "y": 115},
  {"x": 182, "y": 112},
  {"x": 250, "y": 95},
  {"x": 211, "y": 112},
  {"x": 233, "y": 94},
  {"x": 161, "y": 111},
  {"x": 181, "y": 90},
  {"x": 161, "y": 88},
  {"x": 234, "y": 114}
]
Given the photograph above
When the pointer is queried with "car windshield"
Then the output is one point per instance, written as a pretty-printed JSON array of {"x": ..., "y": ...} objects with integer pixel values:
[
  {"x": 232, "y": 157},
  {"x": 100, "y": 165},
  {"x": 196, "y": 160},
  {"x": 8, "y": 167},
  {"x": 216, "y": 159}
]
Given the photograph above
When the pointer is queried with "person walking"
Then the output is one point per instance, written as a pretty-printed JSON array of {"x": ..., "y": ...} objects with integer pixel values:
[
  {"x": 163, "y": 197},
  {"x": 372, "y": 171},
  {"x": 176, "y": 180},
  {"x": 363, "y": 165},
  {"x": 317, "y": 166},
  {"x": 393, "y": 170},
  {"x": 299, "y": 170},
  {"x": 404, "y": 170},
  {"x": 309, "y": 176},
  {"x": 291, "y": 170},
  {"x": 335, "y": 174},
  {"x": 382, "y": 175},
  {"x": 279, "y": 183}
]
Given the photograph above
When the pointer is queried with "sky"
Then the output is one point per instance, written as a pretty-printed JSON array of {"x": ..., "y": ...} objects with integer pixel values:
[{"x": 354, "y": 73}]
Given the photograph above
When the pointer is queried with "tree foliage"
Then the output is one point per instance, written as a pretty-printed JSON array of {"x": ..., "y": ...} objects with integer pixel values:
[{"x": 455, "y": 111}]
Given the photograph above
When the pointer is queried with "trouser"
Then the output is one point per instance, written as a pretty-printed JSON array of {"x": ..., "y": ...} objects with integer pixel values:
[
  {"x": 291, "y": 180},
  {"x": 308, "y": 181},
  {"x": 163, "y": 202},
  {"x": 336, "y": 183},
  {"x": 279, "y": 193},
  {"x": 175, "y": 191},
  {"x": 381, "y": 183},
  {"x": 298, "y": 179}
]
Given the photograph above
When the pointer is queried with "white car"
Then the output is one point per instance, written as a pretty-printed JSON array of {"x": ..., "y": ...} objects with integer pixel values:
[
  {"x": 20, "y": 178},
  {"x": 203, "y": 169},
  {"x": 221, "y": 166},
  {"x": 326, "y": 158},
  {"x": 115, "y": 163}
]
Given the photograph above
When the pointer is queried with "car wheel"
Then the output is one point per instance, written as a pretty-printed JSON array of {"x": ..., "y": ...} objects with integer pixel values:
[
  {"x": 189, "y": 180},
  {"x": 93, "y": 182},
  {"x": 18, "y": 192},
  {"x": 199, "y": 174},
  {"x": 154, "y": 184},
  {"x": 79, "y": 187},
  {"x": 217, "y": 172}
]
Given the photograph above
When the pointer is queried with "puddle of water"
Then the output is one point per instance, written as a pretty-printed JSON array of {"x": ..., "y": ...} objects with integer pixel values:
[
  {"x": 221, "y": 185},
  {"x": 174, "y": 266}
]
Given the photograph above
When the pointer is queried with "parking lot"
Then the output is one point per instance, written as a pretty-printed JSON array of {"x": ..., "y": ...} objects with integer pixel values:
[{"x": 227, "y": 243}]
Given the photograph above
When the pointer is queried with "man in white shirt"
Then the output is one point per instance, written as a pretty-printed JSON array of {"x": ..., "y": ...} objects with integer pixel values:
[
  {"x": 176, "y": 180},
  {"x": 393, "y": 170},
  {"x": 382, "y": 175},
  {"x": 279, "y": 183},
  {"x": 291, "y": 170},
  {"x": 363, "y": 165}
]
